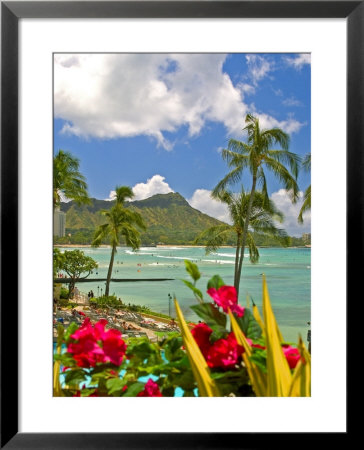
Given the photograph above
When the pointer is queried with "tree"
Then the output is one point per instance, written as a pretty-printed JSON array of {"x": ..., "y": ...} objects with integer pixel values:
[
  {"x": 75, "y": 263},
  {"x": 120, "y": 223},
  {"x": 58, "y": 258},
  {"x": 306, "y": 164},
  {"x": 255, "y": 155},
  {"x": 67, "y": 179},
  {"x": 262, "y": 216}
]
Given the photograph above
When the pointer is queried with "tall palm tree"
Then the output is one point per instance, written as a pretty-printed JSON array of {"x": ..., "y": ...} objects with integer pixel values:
[
  {"x": 254, "y": 156},
  {"x": 120, "y": 223},
  {"x": 263, "y": 214},
  {"x": 306, "y": 164},
  {"x": 68, "y": 180}
]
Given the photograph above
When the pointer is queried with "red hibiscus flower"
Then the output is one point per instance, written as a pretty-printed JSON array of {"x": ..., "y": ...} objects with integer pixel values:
[
  {"x": 95, "y": 345},
  {"x": 224, "y": 353},
  {"x": 201, "y": 333},
  {"x": 226, "y": 297},
  {"x": 292, "y": 355},
  {"x": 114, "y": 347},
  {"x": 151, "y": 389}
]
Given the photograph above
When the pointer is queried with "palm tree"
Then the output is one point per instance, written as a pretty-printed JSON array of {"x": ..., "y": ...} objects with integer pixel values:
[
  {"x": 306, "y": 164},
  {"x": 254, "y": 155},
  {"x": 68, "y": 180},
  {"x": 263, "y": 213},
  {"x": 120, "y": 223}
]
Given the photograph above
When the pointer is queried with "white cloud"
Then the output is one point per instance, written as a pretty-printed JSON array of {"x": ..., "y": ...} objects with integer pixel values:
[
  {"x": 124, "y": 95},
  {"x": 291, "y": 211},
  {"x": 154, "y": 185},
  {"x": 201, "y": 200},
  {"x": 258, "y": 67},
  {"x": 291, "y": 101},
  {"x": 299, "y": 61},
  {"x": 112, "y": 196}
]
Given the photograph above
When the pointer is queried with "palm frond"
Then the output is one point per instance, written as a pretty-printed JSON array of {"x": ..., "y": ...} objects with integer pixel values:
[
  {"x": 287, "y": 158},
  {"x": 281, "y": 172},
  {"x": 306, "y": 204}
]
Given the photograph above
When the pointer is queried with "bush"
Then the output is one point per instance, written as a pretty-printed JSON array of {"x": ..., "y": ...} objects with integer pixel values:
[
  {"x": 64, "y": 293},
  {"x": 105, "y": 301},
  {"x": 64, "y": 303}
]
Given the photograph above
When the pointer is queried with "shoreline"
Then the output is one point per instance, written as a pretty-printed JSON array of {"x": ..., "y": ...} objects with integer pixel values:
[{"x": 164, "y": 246}]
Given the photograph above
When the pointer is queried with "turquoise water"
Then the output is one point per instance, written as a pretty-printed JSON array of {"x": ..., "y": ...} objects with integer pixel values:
[{"x": 288, "y": 273}]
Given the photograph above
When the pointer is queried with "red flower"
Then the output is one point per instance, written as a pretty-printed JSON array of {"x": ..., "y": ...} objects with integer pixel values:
[
  {"x": 114, "y": 347},
  {"x": 201, "y": 333},
  {"x": 292, "y": 355},
  {"x": 151, "y": 389},
  {"x": 95, "y": 345},
  {"x": 226, "y": 297},
  {"x": 224, "y": 353}
]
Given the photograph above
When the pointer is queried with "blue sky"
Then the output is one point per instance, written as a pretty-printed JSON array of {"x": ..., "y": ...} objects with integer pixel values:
[{"x": 158, "y": 122}]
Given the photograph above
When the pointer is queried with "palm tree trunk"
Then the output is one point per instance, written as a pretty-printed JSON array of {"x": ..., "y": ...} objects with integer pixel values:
[
  {"x": 245, "y": 233},
  {"x": 238, "y": 243},
  {"x": 110, "y": 270}
]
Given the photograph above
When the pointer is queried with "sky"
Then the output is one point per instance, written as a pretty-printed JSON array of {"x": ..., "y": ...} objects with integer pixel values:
[{"x": 158, "y": 122}]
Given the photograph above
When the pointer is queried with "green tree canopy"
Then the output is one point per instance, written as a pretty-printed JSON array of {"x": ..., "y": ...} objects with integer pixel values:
[
  {"x": 68, "y": 180},
  {"x": 306, "y": 164},
  {"x": 76, "y": 265}
]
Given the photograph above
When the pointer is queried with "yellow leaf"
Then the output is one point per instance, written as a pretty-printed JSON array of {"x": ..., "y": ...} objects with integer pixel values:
[
  {"x": 57, "y": 390},
  {"x": 279, "y": 375},
  {"x": 206, "y": 385},
  {"x": 257, "y": 317},
  {"x": 257, "y": 377},
  {"x": 301, "y": 380}
]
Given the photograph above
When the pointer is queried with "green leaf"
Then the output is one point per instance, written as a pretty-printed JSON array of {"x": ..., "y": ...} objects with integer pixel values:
[
  {"x": 217, "y": 334},
  {"x": 215, "y": 282},
  {"x": 115, "y": 385},
  {"x": 87, "y": 392},
  {"x": 192, "y": 269},
  {"x": 70, "y": 330},
  {"x": 173, "y": 349},
  {"x": 141, "y": 350},
  {"x": 66, "y": 359},
  {"x": 134, "y": 389},
  {"x": 75, "y": 377},
  {"x": 211, "y": 315},
  {"x": 248, "y": 325},
  {"x": 168, "y": 391},
  {"x": 196, "y": 291}
]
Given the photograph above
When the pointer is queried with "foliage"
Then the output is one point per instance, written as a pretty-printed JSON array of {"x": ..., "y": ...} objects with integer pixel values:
[
  {"x": 57, "y": 261},
  {"x": 77, "y": 265},
  {"x": 247, "y": 358},
  {"x": 306, "y": 206},
  {"x": 67, "y": 179},
  {"x": 64, "y": 293},
  {"x": 106, "y": 301}
]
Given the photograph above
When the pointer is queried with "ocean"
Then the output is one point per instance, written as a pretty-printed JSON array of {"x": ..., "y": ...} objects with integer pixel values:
[{"x": 287, "y": 270}]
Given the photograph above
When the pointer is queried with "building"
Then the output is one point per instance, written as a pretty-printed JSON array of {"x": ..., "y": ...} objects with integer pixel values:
[
  {"x": 306, "y": 237},
  {"x": 59, "y": 223}
]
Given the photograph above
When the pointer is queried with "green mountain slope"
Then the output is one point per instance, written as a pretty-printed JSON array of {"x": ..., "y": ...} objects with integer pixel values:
[{"x": 169, "y": 219}]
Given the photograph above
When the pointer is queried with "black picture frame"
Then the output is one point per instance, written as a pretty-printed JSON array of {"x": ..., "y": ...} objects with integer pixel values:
[{"x": 11, "y": 12}]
